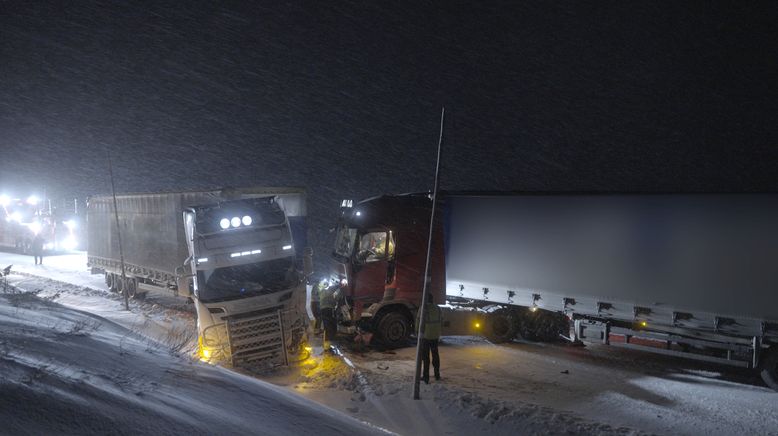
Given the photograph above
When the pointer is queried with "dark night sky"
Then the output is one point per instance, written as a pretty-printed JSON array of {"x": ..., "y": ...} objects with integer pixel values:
[{"x": 344, "y": 97}]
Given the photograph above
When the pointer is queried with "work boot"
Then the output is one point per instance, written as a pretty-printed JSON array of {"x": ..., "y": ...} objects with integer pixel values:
[
  {"x": 426, "y": 380},
  {"x": 437, "y": 376}
]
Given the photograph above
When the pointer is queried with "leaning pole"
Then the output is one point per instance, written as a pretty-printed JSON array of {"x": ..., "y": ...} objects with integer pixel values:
[{"x": 417, "y": 376}]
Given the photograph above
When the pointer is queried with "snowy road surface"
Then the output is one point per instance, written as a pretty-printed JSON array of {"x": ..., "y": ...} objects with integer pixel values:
[{"x": 517, "y": 388}]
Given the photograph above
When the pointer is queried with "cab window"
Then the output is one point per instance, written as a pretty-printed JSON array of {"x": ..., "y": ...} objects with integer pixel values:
[{"x": 375, "y": 246}]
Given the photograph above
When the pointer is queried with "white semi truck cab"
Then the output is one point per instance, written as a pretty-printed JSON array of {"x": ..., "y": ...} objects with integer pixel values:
[
  {"x": 237, "y": 252},
  {"x": 247, "y": 290}
]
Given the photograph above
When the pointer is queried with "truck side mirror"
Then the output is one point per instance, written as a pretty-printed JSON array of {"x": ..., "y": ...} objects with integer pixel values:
[
  {"x": 184, "y": 286},
  {"x": 184, "y": 279}
]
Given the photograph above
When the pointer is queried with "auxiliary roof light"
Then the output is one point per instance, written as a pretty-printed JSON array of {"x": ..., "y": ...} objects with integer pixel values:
[
  {"x": 246, "y": 220},
  {"x": 235, "y": 222},
  {"x": 224, "y": 223}
]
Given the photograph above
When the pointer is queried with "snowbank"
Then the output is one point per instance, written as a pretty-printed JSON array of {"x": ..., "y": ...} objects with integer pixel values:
[{"x": 65, "y": 371}]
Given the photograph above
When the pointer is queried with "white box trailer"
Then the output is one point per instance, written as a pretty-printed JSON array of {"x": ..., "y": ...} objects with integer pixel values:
[
  {"x": 694, "y": 274},
  {"x": 699, "y": 270}
]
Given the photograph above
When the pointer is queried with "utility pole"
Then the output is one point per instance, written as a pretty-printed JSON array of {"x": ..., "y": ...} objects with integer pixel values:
[
  {"x": 427, "y": 279},
  {"x": 118, "y": 235}
]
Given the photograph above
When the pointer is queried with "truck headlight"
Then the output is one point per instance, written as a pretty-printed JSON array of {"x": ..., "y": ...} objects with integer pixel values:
[{"x": 215, "y": 336}]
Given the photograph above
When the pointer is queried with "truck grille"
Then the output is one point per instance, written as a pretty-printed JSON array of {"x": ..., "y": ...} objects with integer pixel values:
[{"x": 257, "y": 340}]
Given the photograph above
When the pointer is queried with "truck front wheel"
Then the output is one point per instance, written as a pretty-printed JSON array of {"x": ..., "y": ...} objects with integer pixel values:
[
  {"x": 769, "y": 367},
  {"x": 393, "y": 330}
]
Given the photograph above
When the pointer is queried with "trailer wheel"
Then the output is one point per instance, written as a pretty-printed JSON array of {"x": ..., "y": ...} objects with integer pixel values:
[
  {"x": 108, "y": 279},
  {"x": 132, "y": 288},
  {"x": 114, "y": 285},
  {"x": 769, "y": 367},
  {"x": 542, "y": 325},
  {"x": 393, "y": 330},
  {"x": 118, "y": 284},
  {"x": 501, "y": 326}
]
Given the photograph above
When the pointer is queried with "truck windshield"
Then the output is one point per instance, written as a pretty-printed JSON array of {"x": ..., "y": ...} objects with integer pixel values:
[
  {"x": 345, "y": 240},
  {"x": 241, "y": 281}
]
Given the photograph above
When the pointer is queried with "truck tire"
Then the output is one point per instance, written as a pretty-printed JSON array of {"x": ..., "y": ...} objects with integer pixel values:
[
  {"x": 501, "y": 326},
  {"x": 118, "y": 284},
  {"x": 769, "y": 367},
  {"x": 393, "y": 330},
  {"x": 542, "y": 325},
  {"x": 108, "y": 279},
  {"x": 113, "y": 286},
  {"x": 132, "y": 287}
]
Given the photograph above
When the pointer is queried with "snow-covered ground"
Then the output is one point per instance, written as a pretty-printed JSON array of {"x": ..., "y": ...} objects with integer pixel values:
[
  {"x": 64, "y": 371},
  {"x": 517, "y": 388}
]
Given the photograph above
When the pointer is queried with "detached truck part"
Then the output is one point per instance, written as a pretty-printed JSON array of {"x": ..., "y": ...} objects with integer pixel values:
[
  {"x": 686, "y": 275},
  {"x": 235, "y": 252}
]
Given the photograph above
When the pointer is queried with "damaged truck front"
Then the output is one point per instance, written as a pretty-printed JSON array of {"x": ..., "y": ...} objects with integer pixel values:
[{"x": 237, "y": 253}]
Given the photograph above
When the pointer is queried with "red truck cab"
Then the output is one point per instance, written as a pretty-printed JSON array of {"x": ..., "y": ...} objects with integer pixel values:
[{"x": 380, "y": 249}]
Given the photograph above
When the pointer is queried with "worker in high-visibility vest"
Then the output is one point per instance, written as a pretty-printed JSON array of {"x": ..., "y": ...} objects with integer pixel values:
[
  {"x": 315, "y": 307},
  {"x": 328, "y": 298},
  {"x": 430, "y": 334}
]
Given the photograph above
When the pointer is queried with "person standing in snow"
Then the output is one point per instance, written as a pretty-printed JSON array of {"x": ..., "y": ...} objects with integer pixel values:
[
  {"x": 430, "y": 334},
  {"x": 37, "y": 249},
  {"x": 315, "y": 308},
  {"x": 328, "y": 298}
]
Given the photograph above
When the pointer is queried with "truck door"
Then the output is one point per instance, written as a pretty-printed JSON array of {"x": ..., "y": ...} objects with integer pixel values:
[{"x": 374, "y": 254}]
